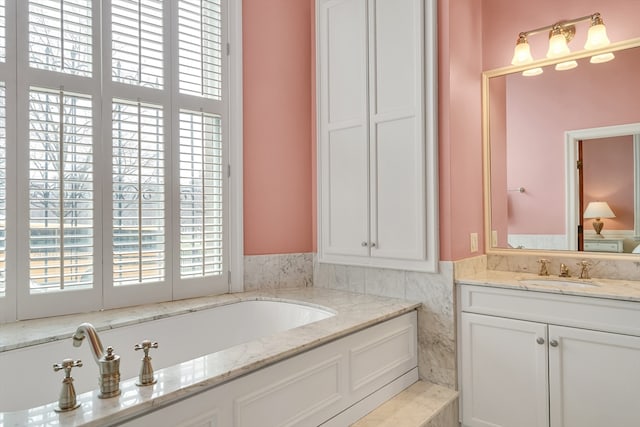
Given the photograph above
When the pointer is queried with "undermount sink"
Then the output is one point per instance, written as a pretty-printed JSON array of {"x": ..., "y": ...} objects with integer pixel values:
[{"x": 558, "y": 282}]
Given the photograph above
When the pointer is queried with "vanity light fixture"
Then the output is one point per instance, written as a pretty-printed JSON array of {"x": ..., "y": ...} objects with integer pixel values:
[
  {"x": 560, "y": 34},
  {"x": 598, "y": 210}
]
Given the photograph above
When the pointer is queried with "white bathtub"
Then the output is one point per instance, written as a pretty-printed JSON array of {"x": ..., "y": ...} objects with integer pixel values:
[
  {"x": 180, "y": 338},
  {"x": 284, "y": 357}
]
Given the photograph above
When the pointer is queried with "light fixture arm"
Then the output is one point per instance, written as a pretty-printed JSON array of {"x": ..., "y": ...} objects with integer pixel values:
[{"x": 593, "y": 17}]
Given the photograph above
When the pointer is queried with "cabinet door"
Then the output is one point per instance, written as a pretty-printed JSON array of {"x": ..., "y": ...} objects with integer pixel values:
[
  {"x": 504, "y": 372},
  {"x": 344, "y": 147},
  {"x": 396, "y": 114},
  {"x": 594, "y": 378}
]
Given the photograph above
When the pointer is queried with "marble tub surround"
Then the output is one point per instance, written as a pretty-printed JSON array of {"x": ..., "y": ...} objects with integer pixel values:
[
  {"x": 436, "y": 314},
  {"x": 621, "y": 267},
  {"x": 278, "y": 271},
  {"x": 626, "y": 290},
  {"x": 353, "y": 312}
]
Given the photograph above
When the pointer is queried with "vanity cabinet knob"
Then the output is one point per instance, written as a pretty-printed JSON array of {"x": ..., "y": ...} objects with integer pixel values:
[
  {"x": 553, "y": 343},
  {"x": 373, "y": 245},
  {"x": 540, "y": 340},
  {"x": 364, "y": 244}
]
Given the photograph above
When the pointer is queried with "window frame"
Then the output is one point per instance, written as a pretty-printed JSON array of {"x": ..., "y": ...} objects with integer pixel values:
[{"x": 18, "y": 303}]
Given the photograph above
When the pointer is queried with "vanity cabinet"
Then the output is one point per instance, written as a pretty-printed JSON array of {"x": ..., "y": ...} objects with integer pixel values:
[
  {"x": 376, "y": 133},
  {"x": 574, "y": 369}
]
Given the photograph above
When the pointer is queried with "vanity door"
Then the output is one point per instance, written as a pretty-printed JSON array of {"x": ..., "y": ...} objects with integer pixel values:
[
  {"x": 594, "y": 378},
  {"x": 504, "y": 372}
]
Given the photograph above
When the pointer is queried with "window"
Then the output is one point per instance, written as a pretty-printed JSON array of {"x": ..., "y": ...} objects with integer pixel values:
[{"x": 120, "y": 157}]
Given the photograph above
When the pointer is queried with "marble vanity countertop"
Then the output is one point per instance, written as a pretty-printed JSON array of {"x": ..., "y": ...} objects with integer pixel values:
[
  {"x": 353, "y": 312},
  {"x": 625, "y": 290}
]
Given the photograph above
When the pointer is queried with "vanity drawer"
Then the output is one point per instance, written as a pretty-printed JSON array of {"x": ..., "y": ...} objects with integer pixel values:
[{"x": 567, "y": 310}]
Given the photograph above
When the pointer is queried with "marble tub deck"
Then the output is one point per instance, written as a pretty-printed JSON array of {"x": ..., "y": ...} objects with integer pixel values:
[{"x": 353, "y": 312}]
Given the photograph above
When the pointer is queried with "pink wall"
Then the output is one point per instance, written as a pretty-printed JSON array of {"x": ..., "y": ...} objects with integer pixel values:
[
  {"x": 278, "y": 167},
  {"x": 608, "y": 176},
  {"x": 500, "y": 190},
  {"x": 460, "y": 129}
]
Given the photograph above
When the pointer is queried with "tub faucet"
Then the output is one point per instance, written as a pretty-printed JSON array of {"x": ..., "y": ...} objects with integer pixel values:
[{"x": 108, "y": 363}]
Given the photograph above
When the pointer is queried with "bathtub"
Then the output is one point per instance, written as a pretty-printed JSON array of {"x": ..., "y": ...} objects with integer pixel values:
[{"x": 220, "y": 348}]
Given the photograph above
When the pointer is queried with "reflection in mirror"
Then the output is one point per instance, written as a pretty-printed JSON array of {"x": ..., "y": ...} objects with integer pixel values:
[{"x": 536, "y": 201}]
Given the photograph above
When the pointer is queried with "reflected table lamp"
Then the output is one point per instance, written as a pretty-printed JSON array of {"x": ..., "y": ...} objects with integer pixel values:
[{"x": 598, "y": 210}]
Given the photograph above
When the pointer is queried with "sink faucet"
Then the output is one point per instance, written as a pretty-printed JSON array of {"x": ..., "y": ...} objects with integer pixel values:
[
  {"x": 564, "y": 271},
  {"x": 544, "y": 270},
  {"x": 108, "y": 363},
  {"x": 584, "y": 269}
]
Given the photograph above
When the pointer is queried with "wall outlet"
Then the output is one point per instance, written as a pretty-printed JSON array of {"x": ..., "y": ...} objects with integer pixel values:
[
  {"x": 474, "y": 242},
  {"x": 494, "y": 238}
]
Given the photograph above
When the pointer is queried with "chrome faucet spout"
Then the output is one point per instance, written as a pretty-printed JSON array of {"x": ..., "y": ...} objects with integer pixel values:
[{"x": 87, "y": 330}]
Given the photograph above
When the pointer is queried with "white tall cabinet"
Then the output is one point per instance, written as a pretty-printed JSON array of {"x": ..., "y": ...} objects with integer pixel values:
[
  {"x": 376, "y": 133},
  {"x": 530, "y": 359}
]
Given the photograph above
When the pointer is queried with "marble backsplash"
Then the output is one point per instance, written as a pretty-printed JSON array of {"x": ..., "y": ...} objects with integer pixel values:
[
  {"x": 278, "y": 271},
  {"x": 602, "y": 266},
  {"x": 436, "y": 316}
]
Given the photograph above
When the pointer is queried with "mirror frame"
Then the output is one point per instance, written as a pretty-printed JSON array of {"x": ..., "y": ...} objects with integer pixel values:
[{"x": 486, "y": 150}]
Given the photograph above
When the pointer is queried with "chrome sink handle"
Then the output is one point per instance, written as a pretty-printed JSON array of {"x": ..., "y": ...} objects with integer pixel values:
[
  {"x": 67, "y": 400},
  {"x": 146, "y": 370}
]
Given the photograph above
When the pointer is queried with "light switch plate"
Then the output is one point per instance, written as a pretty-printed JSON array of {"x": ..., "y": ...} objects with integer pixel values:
[{"x": 474, "y": 242}]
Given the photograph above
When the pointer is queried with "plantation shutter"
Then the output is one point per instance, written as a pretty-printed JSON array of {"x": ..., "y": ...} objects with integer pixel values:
[
  {"x": 200, "y": 48},
  {"x": 3, "y": 188},
  {"x": 138, "y": 193},
  {"x": 61, "y": 191},
  {"x": 3, "y": 31},
  {"x": 60, "y": 36},
  {"x": 201, "y": 191},
  {"x": 137, "y": 44}
]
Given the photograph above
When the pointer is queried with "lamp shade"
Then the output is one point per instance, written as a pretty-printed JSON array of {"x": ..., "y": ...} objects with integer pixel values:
[
  {"x": 597, "y": 37},
  {"x": 598, "y": 210},
  {"x": 558, "y": 45},
  {"x": 522, "y": 53}
]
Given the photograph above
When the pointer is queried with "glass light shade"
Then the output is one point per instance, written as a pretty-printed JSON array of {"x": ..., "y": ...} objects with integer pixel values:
[
  {"x": 558, "y": 46},
  {"x": 598, "y": 210},
  {"x": 566, "y": 65},
  {"x": 604, "y": 57},
  {"x": 597, "y": 37},
  {"x": 522, "y": 54},
  {"x": 532, "y": 72}
]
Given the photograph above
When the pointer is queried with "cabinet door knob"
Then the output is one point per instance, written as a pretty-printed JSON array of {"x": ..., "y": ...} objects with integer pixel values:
[
  {"x": 373, "y": 245},
  {"x": 540, "y": 340},
  {"x": 364, "y": 244},
  {"x": 553, "y": 343}
]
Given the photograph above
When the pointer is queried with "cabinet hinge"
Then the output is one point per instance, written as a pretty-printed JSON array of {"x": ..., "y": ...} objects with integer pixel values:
[
  {"x": 228, "y": 171},
  {"x": 229, "y": 279},
  {"x": 579, "y": 164},
  {"x": 228, "y": 49}
]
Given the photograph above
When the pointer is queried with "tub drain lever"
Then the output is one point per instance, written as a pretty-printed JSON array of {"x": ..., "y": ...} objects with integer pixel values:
[
  {"x": 146, "y": 370},
  {"x": 67, "y": 400}
]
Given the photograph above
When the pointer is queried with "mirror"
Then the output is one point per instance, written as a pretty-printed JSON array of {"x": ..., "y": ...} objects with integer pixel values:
[{"x": 536, "y": 132}]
